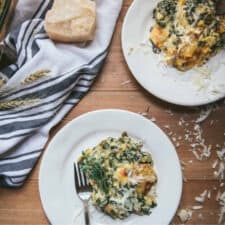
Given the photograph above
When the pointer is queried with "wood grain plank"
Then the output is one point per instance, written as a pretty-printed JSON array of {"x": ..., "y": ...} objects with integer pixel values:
[
  {"x": 29, "y": 211},
  {"x": 115, "y": 71},
  {"x": 23, "y": 206},
  {"x": 140, "y": 102}
]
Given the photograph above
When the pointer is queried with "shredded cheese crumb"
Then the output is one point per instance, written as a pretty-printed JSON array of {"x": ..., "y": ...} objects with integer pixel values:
[
  {"x": 221, "y": 154},
  {"x": 204, "y": 114},
  {"x": 184, "y": 215},
  {"x": 125, "y": 82},
  {"x": 221, "y": 200},
  {"x": 197, "y": 207},
  {"x": 214, "y": 165},
  {"x": 220, "y": 172},
  {"x": 209, "y": 195},
  {"x": 202, "y": 197},
  {"x": 143, "y": 113}
]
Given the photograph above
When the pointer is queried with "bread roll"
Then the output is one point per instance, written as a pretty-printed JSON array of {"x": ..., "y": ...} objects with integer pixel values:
[{"x": 71, "y": 20}]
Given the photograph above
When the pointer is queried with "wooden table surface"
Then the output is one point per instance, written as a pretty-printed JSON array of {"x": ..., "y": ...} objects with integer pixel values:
[{"x": 116, "y": 88}]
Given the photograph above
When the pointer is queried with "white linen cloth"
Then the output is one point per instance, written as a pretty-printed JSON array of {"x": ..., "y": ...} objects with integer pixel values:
[{"x": 29, "y": 111}]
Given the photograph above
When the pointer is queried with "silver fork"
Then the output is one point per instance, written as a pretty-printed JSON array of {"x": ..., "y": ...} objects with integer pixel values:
[{"x": 83, "y": 190}]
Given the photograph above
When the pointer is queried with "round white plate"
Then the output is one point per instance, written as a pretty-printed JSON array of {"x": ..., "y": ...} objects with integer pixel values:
[
  {"x": 56, "y": 181},
  {"x": 194, "y": 87}
]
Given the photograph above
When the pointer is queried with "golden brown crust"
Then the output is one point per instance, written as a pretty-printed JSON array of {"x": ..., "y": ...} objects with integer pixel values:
[
  {"x": 65, "y": 25},
  {"x": 187, "y": 32}
]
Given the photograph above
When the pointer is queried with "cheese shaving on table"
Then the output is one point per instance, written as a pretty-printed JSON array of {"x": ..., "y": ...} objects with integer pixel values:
[
  {"x": 143, "y": 113},
  {"x": 220, "y": 173},
  {"x": 221, "y": 154},
  {"x": 197, "y": 207},
  {"x": 125, "y": 82},
  {"x": 209, "y": 195},
  {"x": 193, "y": 134},
  {"x": 184, "y": 215},
  {"x": 202, "y": 197},
  {"x": 214, "y": 165},
  {"x": 222, "y": 207},
  {"x": 204, "y": 114}
]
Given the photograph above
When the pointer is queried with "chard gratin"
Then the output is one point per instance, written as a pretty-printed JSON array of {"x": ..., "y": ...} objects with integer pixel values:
[
  {"x": 187, "y": 32},
  {"x": 122, "y": 177}
]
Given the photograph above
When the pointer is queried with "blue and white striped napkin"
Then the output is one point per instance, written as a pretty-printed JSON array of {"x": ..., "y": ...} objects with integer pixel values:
[{"x": 44, "y": 84}]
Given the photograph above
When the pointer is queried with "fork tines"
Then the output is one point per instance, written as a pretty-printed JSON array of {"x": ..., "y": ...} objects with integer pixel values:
[{"x": 81, "y": 182}]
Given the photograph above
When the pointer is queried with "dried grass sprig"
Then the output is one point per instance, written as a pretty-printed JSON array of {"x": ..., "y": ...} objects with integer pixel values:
[
  {"x": 17, "y": 103},
  {"x": 35, "y": 76},
  {"x": 2, "y": 81}
]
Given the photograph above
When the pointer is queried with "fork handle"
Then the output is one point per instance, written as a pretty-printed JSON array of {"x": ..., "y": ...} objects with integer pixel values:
[{"x": 86, "y": 214}]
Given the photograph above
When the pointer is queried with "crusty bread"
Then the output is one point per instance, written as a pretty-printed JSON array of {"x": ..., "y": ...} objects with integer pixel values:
[{"x": 71, "y": 20}]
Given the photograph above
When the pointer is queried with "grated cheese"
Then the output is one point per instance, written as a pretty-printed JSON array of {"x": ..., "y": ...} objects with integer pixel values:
[
  {"x": 221, "y": 154},
  {"x": 214, "y": 165},
  {"x": 202, "y": 197},
  {"x": 218, "y": 195},
  {"x": 177, "y": 144},
  {"x": 184, "y": 179},
  {"x": 184, "y": 215},
  {"x": 125, "y": 82},
  {"x": 209, "y": 195},
  {"x": 197, "y": 207},
  {"x": 221, "y": 200},
  {"x": 143, "y": 113},
  {"x": 199, "y": 199},
  {"x": 220, "y": 172},
  {"x": 204, "y": 114}
]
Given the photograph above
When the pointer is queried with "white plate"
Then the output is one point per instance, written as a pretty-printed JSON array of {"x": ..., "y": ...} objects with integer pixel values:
[
  {"x": 191, "y": 88},
  {"x": 56, "y": 182}
]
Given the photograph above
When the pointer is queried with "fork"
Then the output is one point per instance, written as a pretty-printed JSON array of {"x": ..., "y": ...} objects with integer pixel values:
[{"x": 83, "y": 190}]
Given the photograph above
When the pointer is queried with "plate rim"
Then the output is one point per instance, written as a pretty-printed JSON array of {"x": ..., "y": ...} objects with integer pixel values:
[
  {"x": 157, "y": 95},
  {"x": 70, "y": 123}
]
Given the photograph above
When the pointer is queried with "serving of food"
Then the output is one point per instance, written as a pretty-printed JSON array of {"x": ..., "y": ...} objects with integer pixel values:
[
  {"x": 133, "y": 179},
  {"x": 187, "y": 32},
  {"x": 71, "y": 21},
  {"x": 129, "y": 175},
  {"x": 122, "y": 177},
  {"x": 174, "y": 49}
]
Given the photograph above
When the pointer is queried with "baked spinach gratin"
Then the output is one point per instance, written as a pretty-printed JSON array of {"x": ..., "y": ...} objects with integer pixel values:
[
  {"x": 121, "y": 175},
  {"x": 187, "y": 32}
]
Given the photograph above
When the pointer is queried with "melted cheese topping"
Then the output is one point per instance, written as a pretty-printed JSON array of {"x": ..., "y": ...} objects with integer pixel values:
[
  {"x": 188, "y": 32},
  {"x": 122, "y": 177}
]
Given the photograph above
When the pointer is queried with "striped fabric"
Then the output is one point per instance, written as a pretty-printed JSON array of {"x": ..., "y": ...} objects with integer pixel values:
[
  {"x": 44, "y": 84},
  {"x": 4, "y": 7}
]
